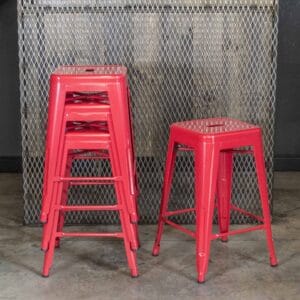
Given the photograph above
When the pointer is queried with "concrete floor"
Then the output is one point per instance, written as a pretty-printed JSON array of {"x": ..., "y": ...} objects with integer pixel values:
[{"x": 97, "y": 269}]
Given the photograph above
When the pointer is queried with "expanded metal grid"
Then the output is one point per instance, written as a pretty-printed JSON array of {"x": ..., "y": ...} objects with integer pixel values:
[{"x": 186, "y": 59}]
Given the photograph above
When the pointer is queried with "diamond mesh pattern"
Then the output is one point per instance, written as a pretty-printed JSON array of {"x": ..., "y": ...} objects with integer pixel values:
[{"x": 186, "y": 59}]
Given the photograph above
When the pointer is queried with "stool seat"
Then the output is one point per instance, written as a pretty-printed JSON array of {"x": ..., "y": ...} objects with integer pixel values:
[
  {"x": 214, "y": 141},
  {"x": 214, "y": 126},
  {"x": 91, "y": 70},
  {"x": 223, "y": 133}
]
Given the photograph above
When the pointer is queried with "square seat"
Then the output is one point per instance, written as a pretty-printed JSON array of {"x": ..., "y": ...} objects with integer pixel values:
[
  {"x": 213, "y": 142},
  {"x": 214, "y": 126},
  {"x": 91, "y": 70}
]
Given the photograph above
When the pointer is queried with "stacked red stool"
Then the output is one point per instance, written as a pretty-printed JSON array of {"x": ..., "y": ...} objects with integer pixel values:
[
  {"x": 89, "y": 118},
  {"x": 214, "y": 141}
]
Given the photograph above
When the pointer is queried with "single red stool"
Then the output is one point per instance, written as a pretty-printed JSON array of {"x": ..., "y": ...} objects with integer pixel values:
[
  {"x": 214, "y": 141},
  {"x": 89, "y": 118}
]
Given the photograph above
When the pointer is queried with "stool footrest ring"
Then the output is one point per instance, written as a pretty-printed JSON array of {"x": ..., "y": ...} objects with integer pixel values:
[
  {"x": 246, "y": 213},
  {"x": 180, "y": 211},
  {"x": 238, "y": 231},
  {"x": 90, "y": 234},
  {"x": 88, "y": 207},
  {"x": 80, "y": 179},
  {"x": 180, "y": 228}
]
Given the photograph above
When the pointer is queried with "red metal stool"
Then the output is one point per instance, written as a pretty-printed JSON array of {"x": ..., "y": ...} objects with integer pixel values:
[
  {"x": 89, "y": 118},
  {"x": 214, "y": 141}
]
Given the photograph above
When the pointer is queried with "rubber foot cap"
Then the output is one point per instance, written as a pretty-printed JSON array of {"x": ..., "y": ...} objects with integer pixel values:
[
  {"x": 45, "y": 276},
  {"x": 274, "y": 266},
  {"x": 135, "y": 276},
  {"x": 201, "y": 282}
]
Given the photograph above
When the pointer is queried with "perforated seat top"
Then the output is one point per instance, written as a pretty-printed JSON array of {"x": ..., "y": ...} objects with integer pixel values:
[
  {"x": 215, "y": 125},
  {"x": 91, "y": 70}
]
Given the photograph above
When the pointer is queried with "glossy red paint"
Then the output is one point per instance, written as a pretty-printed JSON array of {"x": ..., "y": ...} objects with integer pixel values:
[
  {"x": 89, "y": 118},
  {"x": 214, "y": 141}
]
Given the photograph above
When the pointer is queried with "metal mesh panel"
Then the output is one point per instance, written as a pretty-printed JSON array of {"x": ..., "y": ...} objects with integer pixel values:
[{"x": 186, "y": 59}]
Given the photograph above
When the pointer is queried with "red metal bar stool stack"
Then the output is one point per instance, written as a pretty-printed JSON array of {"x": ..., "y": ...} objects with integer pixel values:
[
  {"x": 214, "y": 141},
  {"x": 89, "y": 118}
]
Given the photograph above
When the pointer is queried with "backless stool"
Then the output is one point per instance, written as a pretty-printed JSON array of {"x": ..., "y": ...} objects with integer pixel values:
[
  {"x": 214, "y": 141},
  {"x": 89, "y": 119}
]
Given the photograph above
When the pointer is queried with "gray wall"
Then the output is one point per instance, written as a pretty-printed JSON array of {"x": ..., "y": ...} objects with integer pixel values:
[
  {"x": 287, "y": 138},
  {"x": 10, "y": 145}
]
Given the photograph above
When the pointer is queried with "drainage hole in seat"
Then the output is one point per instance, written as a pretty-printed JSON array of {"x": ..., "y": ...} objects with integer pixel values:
[{"x": 215, "y": 125}]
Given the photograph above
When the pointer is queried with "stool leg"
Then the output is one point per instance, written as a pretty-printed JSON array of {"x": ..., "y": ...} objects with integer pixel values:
[
  {"x": 48, "y": 258},
  {"x": 130, "y": 253},
  {"x": 129, "y": 230},
  {"x": 116, "y": 154},
  {"x": 137, "y": 235},
  {"x": 169, "y": 170},
  {"x": 51, "y": 195},
  {"x": 55, "y": 114},
  {"x": 136, "y": 201},
  {"x": 47, "y": 227},
  {"x": 53, "y": 218},
  {"x": 262, "y": 185},
  {"x": 132, "y": 228},
  {"x": 224, "y": 192},
  {"x": 64, "y": 200},
  {"x": 206, "y": 172}
]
